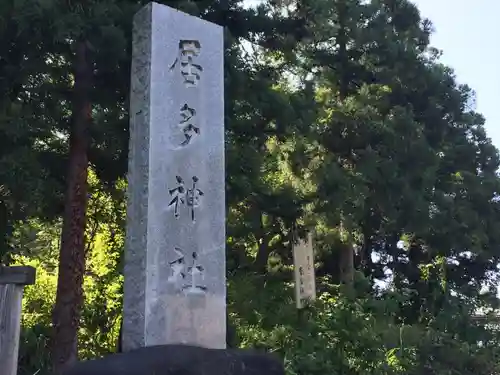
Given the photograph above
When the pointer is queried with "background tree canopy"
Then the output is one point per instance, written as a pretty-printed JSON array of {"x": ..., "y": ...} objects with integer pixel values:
[{"x": 340, "y": 119}]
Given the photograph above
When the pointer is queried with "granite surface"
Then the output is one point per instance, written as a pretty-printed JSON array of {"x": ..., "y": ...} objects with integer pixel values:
[{"x": 175, "y": 285}]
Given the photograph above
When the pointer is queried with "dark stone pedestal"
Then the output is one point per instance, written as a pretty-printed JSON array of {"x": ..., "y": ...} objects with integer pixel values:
[{"x": 182, "y": 360}]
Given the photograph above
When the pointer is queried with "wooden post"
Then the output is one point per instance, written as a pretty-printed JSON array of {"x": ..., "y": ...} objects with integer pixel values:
[{"x": 12, "y": 282}]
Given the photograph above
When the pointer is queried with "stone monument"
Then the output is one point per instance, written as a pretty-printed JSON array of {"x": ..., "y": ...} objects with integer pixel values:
[{"x": 175, "y": 285}]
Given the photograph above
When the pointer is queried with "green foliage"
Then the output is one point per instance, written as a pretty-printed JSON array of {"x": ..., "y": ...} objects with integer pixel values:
[
  {"x": 101, "y": 316},
  {"x": 349, "y": 334},
  {"x": 339, "y": 119}
]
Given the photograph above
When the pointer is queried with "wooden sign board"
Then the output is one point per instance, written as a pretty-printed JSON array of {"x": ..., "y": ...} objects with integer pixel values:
[{"x": 305, "y": 282}]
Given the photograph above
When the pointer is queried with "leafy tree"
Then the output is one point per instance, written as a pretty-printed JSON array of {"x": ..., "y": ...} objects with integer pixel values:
[{"x": 69, "y": 35}]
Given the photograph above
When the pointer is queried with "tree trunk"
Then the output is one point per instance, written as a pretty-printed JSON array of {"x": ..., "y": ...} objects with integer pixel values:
[
  {"x": 342, "y": 50},
  {"x": 69, "y": 298},
  {"x": 347, "y": 251},
  {"x": 365, "y": 256},
  {"x": 260, "y": 262},
  {"x": 347, "y": 264},
  {"x": 5, "y": 231},
  {"x": 119, "y": 345}
]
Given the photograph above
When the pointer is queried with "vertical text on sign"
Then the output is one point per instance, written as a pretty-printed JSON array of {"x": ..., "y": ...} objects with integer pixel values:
[{"x": 187, "y": 278}]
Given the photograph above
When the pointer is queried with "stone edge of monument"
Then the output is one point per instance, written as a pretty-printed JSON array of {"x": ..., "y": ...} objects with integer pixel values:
[
  {"x": 198, "y": 19},
  {"x": 137, "y": 190},
  {"x": 20, "y": 275}
]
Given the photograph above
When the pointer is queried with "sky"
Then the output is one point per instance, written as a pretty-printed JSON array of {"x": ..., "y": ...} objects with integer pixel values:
[{"x": 468, "y": 32}]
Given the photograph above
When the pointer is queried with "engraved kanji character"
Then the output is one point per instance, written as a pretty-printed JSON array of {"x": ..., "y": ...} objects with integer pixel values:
[
  {"x": 179, "y": 195},
  {"x": 188, "y": 51},
  {"x": 187, "y": 115}
]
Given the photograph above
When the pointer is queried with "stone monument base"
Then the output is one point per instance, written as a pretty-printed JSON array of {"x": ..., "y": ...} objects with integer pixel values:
[{"x": 181, "y": 360}]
